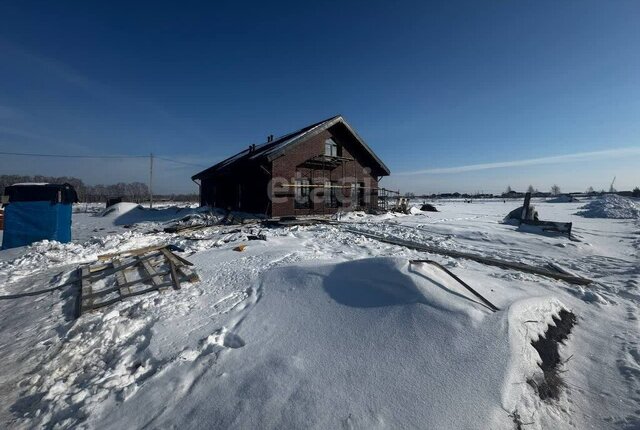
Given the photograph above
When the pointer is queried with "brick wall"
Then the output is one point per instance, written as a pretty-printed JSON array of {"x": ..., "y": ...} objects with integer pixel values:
[{"x": 357, "y": 170}]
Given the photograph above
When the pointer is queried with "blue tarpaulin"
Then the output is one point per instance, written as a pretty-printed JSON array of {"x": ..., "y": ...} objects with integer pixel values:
[{"x": 27, "y": 222}]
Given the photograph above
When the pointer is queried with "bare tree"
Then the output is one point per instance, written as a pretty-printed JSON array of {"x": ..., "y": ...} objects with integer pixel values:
[
  {"x": 555, "y": 190},
  {"x": 135, "y": 191},
  {"x": 508, "y": 190},
  {"x": 590, "y": 190},
  {"x": 531, "y": 189}
]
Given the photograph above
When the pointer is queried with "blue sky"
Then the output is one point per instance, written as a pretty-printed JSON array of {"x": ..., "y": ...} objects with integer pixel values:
[{"x": 453, "y": 96}]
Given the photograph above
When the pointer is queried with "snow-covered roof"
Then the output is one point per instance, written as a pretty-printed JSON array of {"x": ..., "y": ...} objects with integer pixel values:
[{"x": 275, "y": 148}]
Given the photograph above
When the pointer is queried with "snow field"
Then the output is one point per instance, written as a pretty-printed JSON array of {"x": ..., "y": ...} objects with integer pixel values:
[{"x": 321, "y": 328}]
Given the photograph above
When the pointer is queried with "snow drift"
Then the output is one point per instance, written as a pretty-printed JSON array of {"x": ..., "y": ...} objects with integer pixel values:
[
  {"x": 611, "y": 206},
  {"x": 372, "y": 343}
]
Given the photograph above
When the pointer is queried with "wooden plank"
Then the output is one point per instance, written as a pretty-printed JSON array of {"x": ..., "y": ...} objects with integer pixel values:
[
  {"x": 174, "y": 276},
  {"x": 138, "y": 251},
  {"x": 121, "y": 279},
  {"x": 109, "y": 270},
  {"x": 176, "y": 259},
  {"x": 85, "y": 289},
  {"x": 151, "y": 271},
  {"x": 129, "y": 284},
  {"x": 460, "y": 281},
  {"x": 119, "y": 298},
  {"x": 474, "y": 257}
]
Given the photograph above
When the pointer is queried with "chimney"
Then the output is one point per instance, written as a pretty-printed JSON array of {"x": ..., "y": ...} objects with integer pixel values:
[{"x": 270, "y": 138}]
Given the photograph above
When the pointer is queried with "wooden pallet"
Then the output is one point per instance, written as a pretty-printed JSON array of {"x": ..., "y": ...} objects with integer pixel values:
[{"x": 128, "y": 274}]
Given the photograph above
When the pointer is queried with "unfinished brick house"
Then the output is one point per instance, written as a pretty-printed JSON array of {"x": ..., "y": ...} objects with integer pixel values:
[{"x": 319, "y": 169}]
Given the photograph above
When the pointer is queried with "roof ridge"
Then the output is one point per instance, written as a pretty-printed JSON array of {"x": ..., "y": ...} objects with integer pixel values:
[{"x": 274, "y": 148}]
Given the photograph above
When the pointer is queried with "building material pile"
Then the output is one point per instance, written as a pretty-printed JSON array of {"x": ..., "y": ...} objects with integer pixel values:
[
  {"x": 131, "y": 273},
  {"x": 528, "y": 215}
]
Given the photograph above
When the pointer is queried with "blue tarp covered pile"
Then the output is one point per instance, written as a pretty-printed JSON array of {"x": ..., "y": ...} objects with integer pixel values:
[{"x": 36, "y": 212}]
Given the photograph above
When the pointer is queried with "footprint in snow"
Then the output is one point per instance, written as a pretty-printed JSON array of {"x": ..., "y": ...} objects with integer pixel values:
[{"x": 226, "y": 339}]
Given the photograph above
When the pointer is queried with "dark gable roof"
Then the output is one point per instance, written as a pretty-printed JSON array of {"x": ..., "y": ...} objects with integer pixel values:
[{"x": 271, "y": 150}]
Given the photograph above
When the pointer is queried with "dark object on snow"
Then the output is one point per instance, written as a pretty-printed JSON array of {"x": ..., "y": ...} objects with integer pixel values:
[
  {"x": 460, "y": 281},
  {"x": 547, "y": 346},
  {"x": 427, "y": 207},
  {"x": 376, "y": 211},
  {"x": 259, "y": 236},
  {"x": 112, "y": 201},
  {"x": 516, "y": 214},
  {"x": 292, "y": 221},
  {"x": 528, "y": 215},
  {"x": 37, "y": 212}
]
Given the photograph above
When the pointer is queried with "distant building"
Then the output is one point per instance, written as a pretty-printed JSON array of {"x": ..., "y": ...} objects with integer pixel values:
[
  {"x": 319, "y": 169},
  {"x": 512, "y": 194}
]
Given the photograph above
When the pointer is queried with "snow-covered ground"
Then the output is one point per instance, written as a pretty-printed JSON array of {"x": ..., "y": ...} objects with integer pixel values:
[{"x": 319, "y": 327}]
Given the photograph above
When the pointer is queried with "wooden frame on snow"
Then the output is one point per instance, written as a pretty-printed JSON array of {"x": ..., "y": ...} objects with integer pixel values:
[{"x": 131, "y": 273}]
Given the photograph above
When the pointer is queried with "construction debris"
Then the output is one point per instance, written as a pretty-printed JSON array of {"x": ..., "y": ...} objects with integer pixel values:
[
  {"x": 131, "y": 273},
  {"x": 427, "y": 207},
  {"x": 486, "y": 302},
  {"x": 401, "y": 206},
  {"x": 290, "y": 221},
  {"x": 528, "y": 215},
  {"x": 572, "y": 279}
]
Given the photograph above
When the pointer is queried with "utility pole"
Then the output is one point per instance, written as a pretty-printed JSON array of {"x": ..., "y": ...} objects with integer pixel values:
[{"x": 151, "y": 181}]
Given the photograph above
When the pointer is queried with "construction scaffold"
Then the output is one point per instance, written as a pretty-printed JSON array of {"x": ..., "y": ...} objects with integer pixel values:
[{"x": 314, "y": 172}]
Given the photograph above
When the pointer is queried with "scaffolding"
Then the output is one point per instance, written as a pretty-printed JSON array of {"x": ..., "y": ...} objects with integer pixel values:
[{"x": 319, "y": 168}]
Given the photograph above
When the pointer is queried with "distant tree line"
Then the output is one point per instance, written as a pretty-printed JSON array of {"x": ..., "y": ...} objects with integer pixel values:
[
  {"x": 511, "y": 193},
  {"x": 137, "y": 192}
]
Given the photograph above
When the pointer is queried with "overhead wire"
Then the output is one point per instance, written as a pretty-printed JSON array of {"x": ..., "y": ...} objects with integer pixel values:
[{"x": 31, "y": 154}]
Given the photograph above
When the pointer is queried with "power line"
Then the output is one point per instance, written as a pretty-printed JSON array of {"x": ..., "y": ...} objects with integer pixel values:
[
  {"x": 72, "y": 156},
  {"x": 179, "y": 162},
  {"x": 25, "y": 154}
]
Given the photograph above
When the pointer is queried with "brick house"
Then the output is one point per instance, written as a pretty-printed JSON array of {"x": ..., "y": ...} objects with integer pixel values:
[{"x": 319, "y": 169}]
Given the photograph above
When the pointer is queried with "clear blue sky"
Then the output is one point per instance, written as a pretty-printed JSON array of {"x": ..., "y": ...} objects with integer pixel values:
[{"x": 433, "y": 87}]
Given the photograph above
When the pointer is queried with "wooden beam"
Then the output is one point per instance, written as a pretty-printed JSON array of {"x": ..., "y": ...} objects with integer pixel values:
[
  {"x": 174, "y": 275},
  {"x": 478, "y": 258},
  {"x": 460, "y": 281},
  {"x": 138, "y": 251},
  {"x": 176, "y": 259},
  {"x": 121, "y": 279},
  {"x": 155, "y": 277}
]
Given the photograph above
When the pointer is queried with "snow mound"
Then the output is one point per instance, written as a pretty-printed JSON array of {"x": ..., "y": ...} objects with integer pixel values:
[
  {"x": 119, "y": 209},
  {"x": 371, "y": 343},
  {"x": 611, "y": 206},
  {"x": 131, "y": 213}
]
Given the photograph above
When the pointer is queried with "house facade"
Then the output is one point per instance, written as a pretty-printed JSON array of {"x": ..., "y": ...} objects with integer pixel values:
[{"x": 320, "y": 169}]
